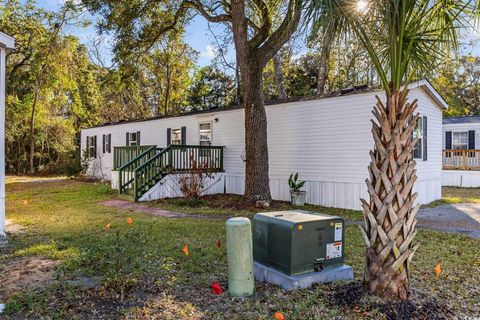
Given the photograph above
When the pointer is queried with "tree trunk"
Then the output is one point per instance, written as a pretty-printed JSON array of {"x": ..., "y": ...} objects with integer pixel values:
[
  {"x": 257, "y": 185},
  {"x": 279, "y": 81},
  {"x": 323, "y": 62},
  {"x": 390, "y": 217},
  {"x": 32, "y": 131}
]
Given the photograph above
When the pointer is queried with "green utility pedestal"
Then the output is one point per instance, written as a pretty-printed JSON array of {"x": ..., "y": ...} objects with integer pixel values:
[{"x": 240, "y": 257}]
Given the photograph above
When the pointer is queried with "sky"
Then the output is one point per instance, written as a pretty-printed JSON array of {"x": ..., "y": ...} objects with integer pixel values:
[{"x": 198, "y": 35}]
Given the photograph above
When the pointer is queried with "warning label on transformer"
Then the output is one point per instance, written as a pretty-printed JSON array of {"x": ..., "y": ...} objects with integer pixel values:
[
  {"x": 334, "y": 250},
  {"x": 338, "y": 231}
]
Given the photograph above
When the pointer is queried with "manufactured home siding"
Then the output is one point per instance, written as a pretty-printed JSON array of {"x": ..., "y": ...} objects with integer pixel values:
[
  {"x": 327, "y": 141},
  {"x": 461, "y": 178},
  {"x": 462, "y": 127}
]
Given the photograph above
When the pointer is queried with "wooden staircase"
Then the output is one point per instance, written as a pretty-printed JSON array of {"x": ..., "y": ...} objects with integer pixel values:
[{"x": 148, "y": 165}]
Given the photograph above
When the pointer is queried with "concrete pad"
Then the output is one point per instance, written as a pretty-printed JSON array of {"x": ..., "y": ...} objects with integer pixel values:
[{"x": 263, "y": 273}]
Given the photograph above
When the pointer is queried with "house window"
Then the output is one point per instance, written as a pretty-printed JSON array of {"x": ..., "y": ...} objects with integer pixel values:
[
  {"x": 176, "y": 136},
  {"x": 460, "y": 140},
  {"x": 205, "y": 131},
  {"x": 418, "y": 133},
  {"x": 133, "y": 138},
  {"x": 92, "y": 146},
  {"x": 107, "y": 143}
]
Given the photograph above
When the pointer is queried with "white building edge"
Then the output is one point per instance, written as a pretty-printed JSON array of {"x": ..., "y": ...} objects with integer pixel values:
[
  {"x": 326, "y": 140},
  {"x": 6, "y": 43},
  {"x": 461, "y": 167}
]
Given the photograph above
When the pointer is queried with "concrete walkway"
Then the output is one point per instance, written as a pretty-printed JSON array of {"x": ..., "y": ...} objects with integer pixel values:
[{"x": 461, "y": 218}]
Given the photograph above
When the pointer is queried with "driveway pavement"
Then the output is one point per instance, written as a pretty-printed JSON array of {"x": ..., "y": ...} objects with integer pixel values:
[{"x": 462, "y": 218}]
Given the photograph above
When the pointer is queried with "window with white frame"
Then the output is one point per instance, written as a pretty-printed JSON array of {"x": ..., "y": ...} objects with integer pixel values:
[
  {"x": 176, "y": 136},
  {"x": 460, "y": 140},
  {"x": 133, "y": 139},
  {"x": 92, "y": 146},
  {"x": 107, "y": 143},
  {"x": 205, "y": 134},
  {"x": 418, "y": 133}
]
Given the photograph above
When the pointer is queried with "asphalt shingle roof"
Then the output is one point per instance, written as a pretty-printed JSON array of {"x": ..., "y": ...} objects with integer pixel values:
[{"x": 464, "y": 119}]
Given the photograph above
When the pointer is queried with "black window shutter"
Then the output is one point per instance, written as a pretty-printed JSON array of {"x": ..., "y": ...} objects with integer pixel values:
[
  {"x": 471, "y": 139},
  {"x": 128, "y": 139},
  {"x": 88, "y": 147},
  {"x": 448, "y": 140},
  {"x": 95, "y": 144},
  {"x": 138, "y": 138},
  {"x": 109, "y": 143},
  {"x": 425, "y": 150},
  {"x": 103, "y": 143},
  {"x": 184, "y": 135},
  {"x": 169, "y": 136}
]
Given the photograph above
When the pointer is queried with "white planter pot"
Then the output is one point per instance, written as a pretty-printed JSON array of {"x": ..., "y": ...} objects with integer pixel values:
[{"x": 298, "y": 197}]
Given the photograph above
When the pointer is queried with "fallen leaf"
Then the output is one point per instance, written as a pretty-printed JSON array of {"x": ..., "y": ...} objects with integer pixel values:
[
  {"x": 217, "y": 289},
  {"x": 185, "y": 250},
  {"x": 438, "y": 269},
  {"x": 219, "y": 243},
  {"x": 279, "y": 316},
  {"x": 108, "y": 226},
  {"x": 129, "y": 220},
  {"x": 25, "y": 202}
]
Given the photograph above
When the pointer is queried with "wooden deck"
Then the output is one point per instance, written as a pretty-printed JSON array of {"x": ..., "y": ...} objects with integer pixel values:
[
  {"x": 141, "y": 167},
  {"x": 461, "y": 159}
]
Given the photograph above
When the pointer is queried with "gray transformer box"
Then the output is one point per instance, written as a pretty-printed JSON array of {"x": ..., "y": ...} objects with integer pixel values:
[{"x": 297, "y": 242}]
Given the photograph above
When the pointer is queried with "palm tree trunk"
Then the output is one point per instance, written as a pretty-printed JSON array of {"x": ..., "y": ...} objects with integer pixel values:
[{"x": 390, "y": 216}]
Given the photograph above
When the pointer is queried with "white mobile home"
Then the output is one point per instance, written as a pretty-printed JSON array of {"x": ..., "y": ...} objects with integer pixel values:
[
  {"x": 6, "y": 43},
  {"x": 326, "y": 140},
  {"x": 461, "y": 151}
]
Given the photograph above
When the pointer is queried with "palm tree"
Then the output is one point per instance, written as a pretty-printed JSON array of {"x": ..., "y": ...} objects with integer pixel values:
[{"x": 405, "y": 40}]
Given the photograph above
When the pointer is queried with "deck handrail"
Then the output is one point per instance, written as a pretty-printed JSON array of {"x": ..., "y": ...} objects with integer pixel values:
[
  {"x": 124, "y": 154},
  {"x": 468, "y": 159},
  {"x": 176, "y": 159},
  {"x": 125, "y": 172}
]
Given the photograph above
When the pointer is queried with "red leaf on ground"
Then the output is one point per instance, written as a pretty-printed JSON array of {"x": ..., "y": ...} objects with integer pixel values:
[
  {"x": 279, "y": 316},
  {"x": 219, "y": 243},
  {"x": 217, "y": 289},
  {"x": 438, "y": 269},
  {"x": 185, "y": 250},
  {"x": 129, "y": 220},
  {"x": 107, "y": 227}
]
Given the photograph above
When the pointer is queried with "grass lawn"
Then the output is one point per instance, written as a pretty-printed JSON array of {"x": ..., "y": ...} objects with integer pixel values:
[
  {"x": 146, "y": 275},
  {"x": 457, "y": 195}
]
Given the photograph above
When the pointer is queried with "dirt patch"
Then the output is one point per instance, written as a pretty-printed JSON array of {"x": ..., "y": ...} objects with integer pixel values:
[
  {"x": 24, "y": 273},
  {"x": 352, "y": 298},
  {"x": 136, "y": 207}
]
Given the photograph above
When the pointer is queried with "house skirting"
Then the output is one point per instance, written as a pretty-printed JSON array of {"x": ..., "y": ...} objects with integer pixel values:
[
  {"x": 325, "y": 193},
  {"x": 461, "y": 178}
]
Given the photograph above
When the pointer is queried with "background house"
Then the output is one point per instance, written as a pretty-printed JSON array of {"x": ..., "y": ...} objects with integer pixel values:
[
  {"x": 6, "y": 43},
  {"x": 326, "y": 140},
  {"x": 461, "y": 154}
]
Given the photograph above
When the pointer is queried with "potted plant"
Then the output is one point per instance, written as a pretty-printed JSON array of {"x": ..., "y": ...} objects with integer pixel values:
[{"x": 298, "y": 196}]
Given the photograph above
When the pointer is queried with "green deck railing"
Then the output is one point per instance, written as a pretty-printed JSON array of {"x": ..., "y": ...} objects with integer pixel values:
[
  {"x": 123, "y": 155},
  {"x": 151, "y": 166},
  {"x": 126, "y": 172}
]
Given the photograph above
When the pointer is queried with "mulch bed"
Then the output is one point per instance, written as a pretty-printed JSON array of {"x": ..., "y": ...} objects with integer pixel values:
[{"x": 352, "y": 297}]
